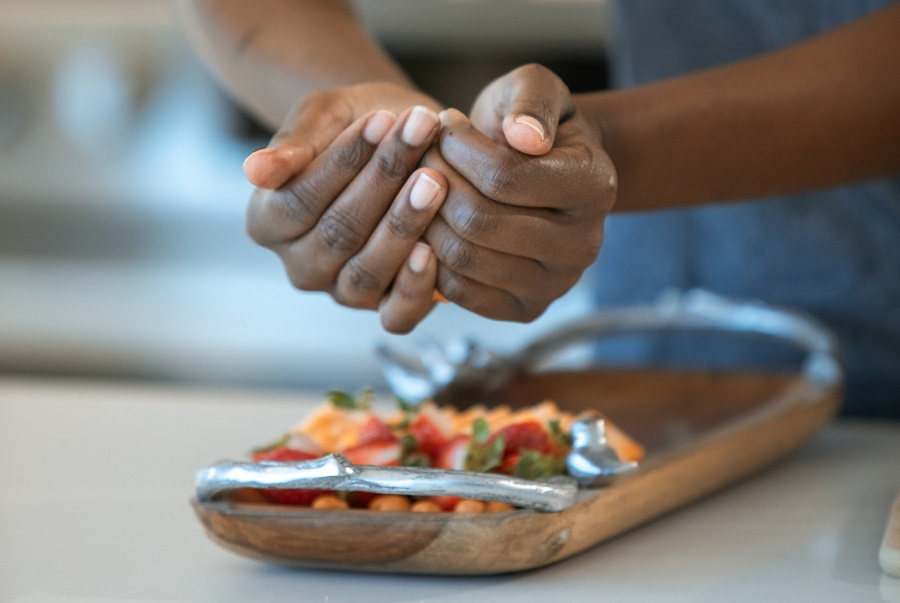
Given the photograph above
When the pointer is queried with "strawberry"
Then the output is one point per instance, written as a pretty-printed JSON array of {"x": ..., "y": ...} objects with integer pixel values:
[
  {"x": 282, "y": 454},
  {"x": 452, "y": 455},
  {"x": 527, "y": 435},
  {"x": 294, "y": 496},
  {"x": 429, "y": 437},
  {"x": 375, "y": 430},
  {"x": 508, "y": 465},
  {"x": 375, "y": 453},
  {"x": 447, "y": 503}
]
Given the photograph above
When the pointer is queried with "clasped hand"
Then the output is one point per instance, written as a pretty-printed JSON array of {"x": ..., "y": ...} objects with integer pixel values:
[{"x": 368, "y": 194}]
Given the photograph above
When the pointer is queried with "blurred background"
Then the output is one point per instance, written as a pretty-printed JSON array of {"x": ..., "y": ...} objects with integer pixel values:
[{"x": 122, "y": 245}]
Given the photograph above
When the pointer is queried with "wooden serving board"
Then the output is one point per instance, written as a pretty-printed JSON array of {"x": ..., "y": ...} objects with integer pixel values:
[{"x": 702, "y": 432}]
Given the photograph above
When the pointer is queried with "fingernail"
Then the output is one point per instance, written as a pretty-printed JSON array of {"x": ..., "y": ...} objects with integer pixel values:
[
  {"x": 419, "y": 257},
  {"x": 419, "y": 124},
  {"x": 527, "y": 120},
  {"x": 424, "y": 191},
  {"x": 254, "y": 156},
  {"x": 442, "y": 117},
  {"x": 378, "y": 125}
]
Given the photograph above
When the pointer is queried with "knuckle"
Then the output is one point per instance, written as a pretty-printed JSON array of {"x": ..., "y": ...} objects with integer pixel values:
[
  {"x": 498, "y": 181},
  {"x": 301, "y": 279},
  {"x": 468, "y": 221},
  {"x": 457, "y": 254},
  {"x": 402, "y": 228},
  {"x": 363, "y": 287},
  {"x": 340, "y": 232},
  {"x": 391, "y": 166},
  {"x": 295, "y": 202},
  {"x": 348, "y": 158},
  {"x": 453, "y": 287}
]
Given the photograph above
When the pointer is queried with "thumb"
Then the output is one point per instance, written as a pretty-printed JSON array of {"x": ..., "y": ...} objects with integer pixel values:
[
  {"x": 310, "y": 127},
  {"x": 532, "y": 101}
]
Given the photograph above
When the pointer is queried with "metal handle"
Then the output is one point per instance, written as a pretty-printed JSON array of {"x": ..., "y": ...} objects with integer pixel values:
[{"x": 431, "y": 371}]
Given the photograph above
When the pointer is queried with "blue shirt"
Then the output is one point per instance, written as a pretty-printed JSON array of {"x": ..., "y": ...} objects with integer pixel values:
[{"x": 833, "y": 253}]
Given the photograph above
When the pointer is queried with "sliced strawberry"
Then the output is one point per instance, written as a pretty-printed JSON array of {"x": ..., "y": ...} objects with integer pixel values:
[
  {"x": 429, "y": 437},
  {"x": 447, "y": 503},
  {"x": 295, "y": 497},
  {"x": 452, "y": 455},
  {"x": 509, "y": 464},
  {"x": 527, "y": 435},
  {"x": 375, "y": 430},
  {"x": 282, "y": 454},
  {"x": 375, "y": 453}
]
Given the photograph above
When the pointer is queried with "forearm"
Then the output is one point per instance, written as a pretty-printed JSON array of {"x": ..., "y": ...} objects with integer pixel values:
[
  {"x": 821, "y": 113},
  {"x": 271, "y": 53}
]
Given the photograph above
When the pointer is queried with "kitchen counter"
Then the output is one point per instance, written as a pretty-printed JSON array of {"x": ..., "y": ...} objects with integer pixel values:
[{"x": 95, "y": 479}]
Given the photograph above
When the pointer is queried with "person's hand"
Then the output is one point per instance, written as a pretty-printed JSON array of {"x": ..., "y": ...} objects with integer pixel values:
[
  {"x": 351, "y": 221},
  {"x": 529, "y": 188},
  {"x": 316, "y": 120}
]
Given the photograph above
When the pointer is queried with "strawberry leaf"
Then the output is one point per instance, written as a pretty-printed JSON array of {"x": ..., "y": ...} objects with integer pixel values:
[
  {"x": 484, "y": 456},
  {"x": 345, "y": 401},
  {"x": 559, "y": 436},
  {"x": 481, "y": 431},
  {"x": 537, "y": 466}
]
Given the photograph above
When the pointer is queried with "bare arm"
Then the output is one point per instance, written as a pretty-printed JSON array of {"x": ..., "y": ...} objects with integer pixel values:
[
  {"x": 270, "y": 53},
  {"x": 817, "y": 114}
]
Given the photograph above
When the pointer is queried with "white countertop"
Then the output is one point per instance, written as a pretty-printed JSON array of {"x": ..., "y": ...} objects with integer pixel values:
[{"x": 95, "y": 480}]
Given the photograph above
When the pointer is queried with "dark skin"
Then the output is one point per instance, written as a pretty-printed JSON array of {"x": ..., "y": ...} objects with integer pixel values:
[{"x": 530, "y": 178}]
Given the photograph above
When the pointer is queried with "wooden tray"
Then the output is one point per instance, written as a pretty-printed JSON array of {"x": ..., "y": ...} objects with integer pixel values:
[{"x": 702, "y": 432}]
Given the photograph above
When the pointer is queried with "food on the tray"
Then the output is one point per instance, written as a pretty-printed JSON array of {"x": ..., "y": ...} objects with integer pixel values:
[{"x": 530, "y": 443}]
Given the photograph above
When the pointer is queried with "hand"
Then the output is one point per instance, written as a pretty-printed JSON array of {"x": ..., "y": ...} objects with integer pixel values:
[
  {"x": 351, "y": 221},
  {"x": 529, "y": 188},
  {"x": 317, "y": 120}
]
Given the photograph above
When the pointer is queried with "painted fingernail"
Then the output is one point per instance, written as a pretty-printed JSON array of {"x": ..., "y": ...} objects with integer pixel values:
[
  {"x": 424, "y": 191},
  {"x": 419, "y": 124},
  {"x": 419, "y": 257},
  {"x": 378, "y": 125},
  {"x": 527, "y": 120}
]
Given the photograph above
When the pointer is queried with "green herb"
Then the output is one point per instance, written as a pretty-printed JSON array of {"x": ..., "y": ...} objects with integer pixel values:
[
  {"x": 539, "y": 466},
  {"x": 279, "y": 443},
  {"x": 345, "y": 401},
  {"x": 560, "y": 436},
  {"x": 481, "y": 431},
  {"x": 407, "y": 408},
  {"x": 482, "y": 453},
  {"x": 409, "y": 411}
]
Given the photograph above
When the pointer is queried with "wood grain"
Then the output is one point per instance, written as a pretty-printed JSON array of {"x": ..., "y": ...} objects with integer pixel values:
[{"x": 703, "y": 431}]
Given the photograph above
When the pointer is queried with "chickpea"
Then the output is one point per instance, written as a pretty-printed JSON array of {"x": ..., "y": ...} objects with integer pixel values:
[
  {"x": 496, "y": 506},
  {"x": 248, "y": 495},
  {"x": 389, "y": 502},
  {"x": 328, "y": 502},
  {"x": 426, "y": 506},
  {"x": 468, "y": 505}
]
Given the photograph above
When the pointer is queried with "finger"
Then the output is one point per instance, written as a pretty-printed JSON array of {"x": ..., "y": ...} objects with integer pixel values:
[
  {"x": 410, "y": 299},
  {"x": 271, "y": 168},
  {"x": 485, "y": 300},
  {"x": 348, "y": 222},
  {"x": 508, "y": 176},
  {"x": 366, "y": 276},
  {"x": 530, "y": 102},
  {"x": 533, "y": 232},
  {"x": 278, "y": 216},
  {"x": 513, "y": 274}
]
